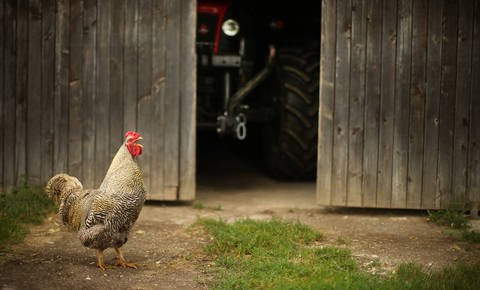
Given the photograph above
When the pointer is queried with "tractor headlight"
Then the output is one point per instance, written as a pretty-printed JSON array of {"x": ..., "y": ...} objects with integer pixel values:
[{"x": 230, "y": 27}]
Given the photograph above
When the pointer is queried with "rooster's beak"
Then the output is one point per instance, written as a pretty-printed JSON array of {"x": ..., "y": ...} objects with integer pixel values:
[{"x": 139, "y": 138}]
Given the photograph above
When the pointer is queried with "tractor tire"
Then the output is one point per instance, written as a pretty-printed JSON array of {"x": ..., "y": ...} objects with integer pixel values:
[{"x": 291, "y": 137}]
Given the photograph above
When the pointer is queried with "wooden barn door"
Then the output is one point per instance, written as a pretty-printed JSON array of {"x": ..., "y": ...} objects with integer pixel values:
[
  {"x": 399, "y": 107},
  {"x": 79, "y": 73}
]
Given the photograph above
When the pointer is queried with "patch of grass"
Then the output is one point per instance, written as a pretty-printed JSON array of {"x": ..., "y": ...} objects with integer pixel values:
[
  {"x": 198, "y": 205},
  {"x": 471, "y": 236},
  {"x": 282, "y": 255},
  {"x": 449, "y": 217},
  {"x": 412, "y": 276},
  {"x": 458, "y": 221},
  {"x": 21, "y": 206}
]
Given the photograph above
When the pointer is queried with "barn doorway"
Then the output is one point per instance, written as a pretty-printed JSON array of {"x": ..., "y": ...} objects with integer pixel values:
[{"x": 257, "y": 96}]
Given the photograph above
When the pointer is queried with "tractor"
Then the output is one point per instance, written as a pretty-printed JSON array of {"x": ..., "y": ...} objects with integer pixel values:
[{"x": 258, "y": 67}]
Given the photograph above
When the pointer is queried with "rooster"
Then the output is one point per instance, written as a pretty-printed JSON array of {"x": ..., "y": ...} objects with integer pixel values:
[{"x": 103, "y": 217}]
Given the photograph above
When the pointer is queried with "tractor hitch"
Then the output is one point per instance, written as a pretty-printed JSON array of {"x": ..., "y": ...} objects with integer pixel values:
[{"x": 231, "y": 120}]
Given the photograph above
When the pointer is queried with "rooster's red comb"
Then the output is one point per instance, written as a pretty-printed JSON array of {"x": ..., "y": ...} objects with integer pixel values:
[{"x": 132, "y": 135}]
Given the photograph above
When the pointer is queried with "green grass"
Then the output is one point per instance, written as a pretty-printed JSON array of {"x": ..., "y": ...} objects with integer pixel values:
[
  {"x": 198, "y": 205},
  {"x": 284, "y": 255},
  {"x": 458, "y": 221},
  {"x": 471, "y": 236},
  {"x": 21, "y": 206},
  {"x": 449, "y": 217}
]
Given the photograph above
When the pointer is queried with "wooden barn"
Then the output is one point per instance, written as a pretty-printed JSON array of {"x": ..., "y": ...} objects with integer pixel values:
[
  {"x": 399, "y": 122},
  {"x": 399, "y": 99},
  {"x": 77, "y": 74}
]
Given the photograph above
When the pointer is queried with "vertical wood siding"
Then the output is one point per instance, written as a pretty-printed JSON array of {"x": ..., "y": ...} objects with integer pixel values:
[
  {"x": 76, "y": 74},
  {"x": 399, "y": 91}
]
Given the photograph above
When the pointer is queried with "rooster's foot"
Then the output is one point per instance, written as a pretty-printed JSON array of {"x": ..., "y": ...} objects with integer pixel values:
[
  {"x": 100, "y": 262},
  {"x": 104, "y": 267},
  {"x": 125, "y": 264},
  {"x": 122, "y": 262}
]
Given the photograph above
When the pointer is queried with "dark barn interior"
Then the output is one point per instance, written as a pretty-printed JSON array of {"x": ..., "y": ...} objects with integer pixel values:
[{"x": 265, "y": 24}]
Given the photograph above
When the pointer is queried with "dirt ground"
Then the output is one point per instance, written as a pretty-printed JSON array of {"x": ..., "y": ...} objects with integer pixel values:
[{"x": 169, "y": 250}]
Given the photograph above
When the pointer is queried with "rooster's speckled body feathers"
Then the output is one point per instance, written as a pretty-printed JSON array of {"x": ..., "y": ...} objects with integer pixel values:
[{"x": 103, "y": 217}]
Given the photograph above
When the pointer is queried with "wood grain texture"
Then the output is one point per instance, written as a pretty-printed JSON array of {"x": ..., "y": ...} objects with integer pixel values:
[
  {"x": 116, "y": 74},
  {"x": 417, "y": 103},
  {"x": 3, "y": 70},
  {"x": 402, "y": 104},
  {"x": 158, "y": 98},
  {"x": 372, "y": 102},
  {"x": 430, "y": 194},
  {"x": 130, "y": 67},
  {"x": 88, "y": 96},
  {"x": 144, "y": 92},
  {"x": 356, "y": 104},
  {"x": 326, "y": 101},
  {"x": 387, "y": 104},
  {"x": 172, "y": 101},
  {"x": 341, "y": 111},
  {"x": 188, "y": 101},
  {"x": 462, "y": 101},
  {"x": 21, "y": 91},
  {"x": 34, "y": 92},
  {"x": 474, "y": 144},
  {"x": 102, "y": 91},
  {"x": 75, "y": 89},
  {"x": 447, "y": 101},
  {"x": 62, "y": 77},
  {"x": 9, "y": 95},
  {"x": 48, "y": 88}
]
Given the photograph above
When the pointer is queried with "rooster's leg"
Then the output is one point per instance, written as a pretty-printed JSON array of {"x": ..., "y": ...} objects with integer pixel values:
[
  {"x": 122, "y": 262},
  {"x": 100, "y": 262}
]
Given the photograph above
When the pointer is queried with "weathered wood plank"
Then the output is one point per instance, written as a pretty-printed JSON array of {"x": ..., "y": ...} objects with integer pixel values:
[
  {"x": 430, "y": 197},
  {"x": 417, "y": 103},
  {"x": 172, "y": 101},
  {"x": 462, "y": 100},
  {"x": 447, "y": 101},
  {"x": 402, "y": 96},
  {"x": 34, "y": 92},
  {"x": 3, "y": 70},
  {"x": 325, "y": 115},
  {"x": 372, "y": 102},
  {"x": 48, "y": 87},
  {"x": 474, "y": 145},
  {"x": 144, "y": 94},
  {"x": 342, "y": 95},
  {"x": 21, "y": 92},
  {"x": 88, "y": 92},
  {"x": 9, "y": 94},
  {"x": 75, "y": 90},
  {"x": 61, "y": 94},
  {"x": 387, "y": 104},
  {"x": 130, "y": 68},
  {"x": 188, "y": 101},
  {"x": 116, "y": 72},
  {"x": 158, "y": 96},
  {"x": 356, "y": 104},
  {"x": 102, "y": 94}
]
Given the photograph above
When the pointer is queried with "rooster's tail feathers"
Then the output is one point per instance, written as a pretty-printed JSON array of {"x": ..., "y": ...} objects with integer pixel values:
[{"x": 59, "y": 186}]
